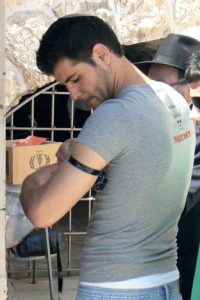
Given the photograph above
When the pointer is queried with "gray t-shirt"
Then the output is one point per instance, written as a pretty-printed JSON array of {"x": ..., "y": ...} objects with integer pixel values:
[{"x": 147, "y": 139}]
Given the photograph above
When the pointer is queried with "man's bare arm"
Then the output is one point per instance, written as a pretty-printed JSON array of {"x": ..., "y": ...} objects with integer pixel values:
[{"x": 47, "y": 195}]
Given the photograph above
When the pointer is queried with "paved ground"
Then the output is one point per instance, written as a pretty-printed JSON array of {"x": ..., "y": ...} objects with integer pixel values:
[
  {"x": 20, "y": 286},
  {"x": 23, "y": 289}
]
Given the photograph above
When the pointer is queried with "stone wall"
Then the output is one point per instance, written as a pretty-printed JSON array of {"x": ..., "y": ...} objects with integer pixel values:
[
  {"x": 134, "y": 21},
  {"x": 3, "y": 275}
]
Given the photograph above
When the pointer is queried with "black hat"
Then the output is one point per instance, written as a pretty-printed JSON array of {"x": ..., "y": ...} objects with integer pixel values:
[{"x": 173, "y": 51}]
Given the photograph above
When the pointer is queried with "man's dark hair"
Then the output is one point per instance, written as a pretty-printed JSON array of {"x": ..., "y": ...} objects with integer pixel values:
[
  {"x": 192, "y": 73},
  {"x": 181, "y": 74},
  {"x": 74, "y": 37}
]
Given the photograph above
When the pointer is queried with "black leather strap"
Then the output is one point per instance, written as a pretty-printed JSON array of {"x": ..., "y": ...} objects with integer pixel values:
[{"x": 83, "y": 168}]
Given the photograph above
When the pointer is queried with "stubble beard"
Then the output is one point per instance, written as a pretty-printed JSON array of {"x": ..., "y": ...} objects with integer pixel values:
[{"x": 104, "y": 91}]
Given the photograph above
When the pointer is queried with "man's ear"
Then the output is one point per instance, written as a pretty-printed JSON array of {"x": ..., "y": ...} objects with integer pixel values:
[{"x": 101, "y": 54}]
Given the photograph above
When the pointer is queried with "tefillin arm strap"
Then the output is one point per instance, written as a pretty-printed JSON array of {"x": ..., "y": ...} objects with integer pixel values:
[{"x": 83, "y": 167}]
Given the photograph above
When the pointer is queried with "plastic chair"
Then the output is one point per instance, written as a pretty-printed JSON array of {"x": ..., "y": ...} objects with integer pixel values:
[{"x": 33, "y": 259}]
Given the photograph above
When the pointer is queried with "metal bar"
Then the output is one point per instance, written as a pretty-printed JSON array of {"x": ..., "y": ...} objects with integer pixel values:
[
  {"x": 42, "y": 128},
  {"x": 74, "y": 233},
  {"x": 56, "y": 93},
  {"x": 33, "y": 262},
  {"x": 48, "y": 256},
  {"x": 12, "y": 122},
  {"x": 29, "y": 99},
  {"x": 72, "y": 119},
  {"x": 69, "y": 240},
  {"x": 32, "y": 114},
  {"x": 52, "y": 113}
]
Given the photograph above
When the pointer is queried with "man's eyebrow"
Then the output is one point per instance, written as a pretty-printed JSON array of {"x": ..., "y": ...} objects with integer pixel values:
[{"x": 69, "y": 78}]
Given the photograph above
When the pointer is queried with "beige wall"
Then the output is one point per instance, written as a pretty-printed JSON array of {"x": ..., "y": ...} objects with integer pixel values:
[
  {"x": 133, "y": 21},
  {"x": 3, "y": 283}
]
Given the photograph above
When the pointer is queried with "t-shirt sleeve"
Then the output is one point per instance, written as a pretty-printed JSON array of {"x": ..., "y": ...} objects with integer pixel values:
[{"x": 106, "y": 130}]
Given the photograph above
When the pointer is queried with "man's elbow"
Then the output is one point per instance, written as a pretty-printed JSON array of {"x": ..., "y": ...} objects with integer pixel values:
[
  {"x": 36, "y": 214},
  {"x": 38, "y": 219},
  {"x": 32, "y": 215}
]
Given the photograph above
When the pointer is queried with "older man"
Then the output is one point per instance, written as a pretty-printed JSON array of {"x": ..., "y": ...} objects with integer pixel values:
[{"x": 169, "y": 62}]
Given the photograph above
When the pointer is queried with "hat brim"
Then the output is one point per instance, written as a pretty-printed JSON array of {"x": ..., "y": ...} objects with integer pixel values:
[{"x": 150, "y": 62}]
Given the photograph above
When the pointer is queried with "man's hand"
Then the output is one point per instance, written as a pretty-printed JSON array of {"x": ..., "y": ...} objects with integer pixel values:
[{"x": 64, "y": 150}]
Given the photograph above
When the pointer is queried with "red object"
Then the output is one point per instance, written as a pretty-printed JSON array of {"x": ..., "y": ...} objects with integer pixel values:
[{"x": 31, "y": 140}]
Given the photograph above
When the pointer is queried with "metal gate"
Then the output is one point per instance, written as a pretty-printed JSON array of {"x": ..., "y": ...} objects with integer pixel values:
[{"x": 42, "y": 114}]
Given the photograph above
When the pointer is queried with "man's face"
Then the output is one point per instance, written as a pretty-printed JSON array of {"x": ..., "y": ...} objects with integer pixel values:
[
  {"x": 164, "y": 74},
  {"x": 195, "y": 92},
  {"x": 170, "y": 76},
  {"x": 195, "y": 114},
  {"x": 89, "y": 83},
  {"x": 195, "y": 89}
]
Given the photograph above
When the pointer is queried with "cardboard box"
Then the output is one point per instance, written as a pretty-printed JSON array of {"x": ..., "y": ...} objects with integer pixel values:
[{"x": 24, "y": 160}]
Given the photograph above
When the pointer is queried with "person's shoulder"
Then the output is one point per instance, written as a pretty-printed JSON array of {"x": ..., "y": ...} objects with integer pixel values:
[
  {"x": 166, "y": 90},
  {"x": 108, "y": 106}
]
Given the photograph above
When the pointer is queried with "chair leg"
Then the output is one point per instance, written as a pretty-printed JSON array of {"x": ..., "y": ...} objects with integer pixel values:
[
  {"x": 29, "y": 266},
  {"x": 33, "y": 271},
  {"x": 49, "y": 264},
  {"x": 8, "y": 262}
]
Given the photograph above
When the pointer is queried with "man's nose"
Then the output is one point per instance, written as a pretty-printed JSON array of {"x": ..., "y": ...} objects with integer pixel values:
[
  {"x": 195, "y": 114},
  {"x": 75, "y": 94}
]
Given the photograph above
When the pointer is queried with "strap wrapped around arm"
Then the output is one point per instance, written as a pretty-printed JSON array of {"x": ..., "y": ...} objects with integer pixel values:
[{"x": 83, "y": 168}]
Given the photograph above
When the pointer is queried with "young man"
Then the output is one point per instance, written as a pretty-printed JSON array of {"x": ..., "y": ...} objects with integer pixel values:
[
  {"x": 141, "y": 134},
  {"x": 169, "y": 65}
]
